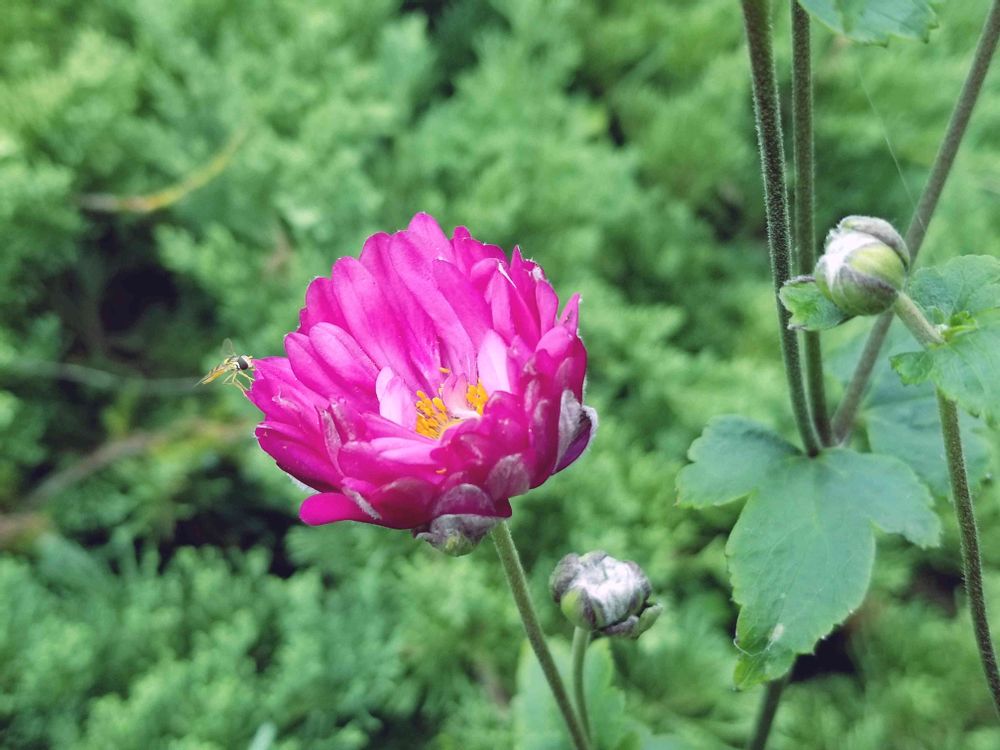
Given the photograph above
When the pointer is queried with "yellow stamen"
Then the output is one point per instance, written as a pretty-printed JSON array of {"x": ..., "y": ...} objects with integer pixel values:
[{"x": 433, "y": 417}]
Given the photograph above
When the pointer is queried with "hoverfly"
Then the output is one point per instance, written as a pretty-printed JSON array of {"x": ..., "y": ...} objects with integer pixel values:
[{"x": 236, "y": 368}]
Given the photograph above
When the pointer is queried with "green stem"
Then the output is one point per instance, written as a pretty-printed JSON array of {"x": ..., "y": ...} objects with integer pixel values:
[
  {"x": 921, "y": 328},
  {"x": 803, "y": 226},
  {"x": 768, "y": 709},
  {"x": 972, "y": 565},
  {"x": 772, "y": 158},
  {"x": 843, "y": 420},
  {"x": 581, "y": 639},
  {"x": 519, "y": 588}
]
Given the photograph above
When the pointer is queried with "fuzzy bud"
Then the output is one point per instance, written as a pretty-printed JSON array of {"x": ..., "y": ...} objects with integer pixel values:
[
  {"x": 864, "y": 265},
  {"x": 596, "y": 592},
  {"x": 456, "y": 535}
]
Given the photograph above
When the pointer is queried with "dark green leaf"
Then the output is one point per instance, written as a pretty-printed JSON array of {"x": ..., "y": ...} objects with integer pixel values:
[
  {"x": 810, "y": 309},
  {"x": 963, "y": 294},
  {"x": 874, "y": 21},
  {"x": 801, "y": 554},
  {"x": 730, "y": 459}
]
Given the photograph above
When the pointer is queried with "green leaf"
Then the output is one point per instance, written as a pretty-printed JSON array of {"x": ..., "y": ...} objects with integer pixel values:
[
  {"x": 902, "y": 420},
  {"x": 810, "y": 309},
  {"x": 730, "y": 459},
  {"x": 801, "y": 553},
  {"x": 874, "y": 21},
  {"x": 964, "y": 295},
  {"x": 538, "y": 725}
]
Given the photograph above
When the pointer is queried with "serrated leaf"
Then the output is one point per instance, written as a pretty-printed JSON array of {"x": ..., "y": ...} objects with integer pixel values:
[
  {"x": 874, "y": 21},
  {"x": 801, "y": 553},
  {"x": 538, "y": 725},
  {"x": 730, "y": 459},
  {"x": 965, "y": 295},
  {"x": 810, "y": 309},
  {"x": 902, "y": 420}
]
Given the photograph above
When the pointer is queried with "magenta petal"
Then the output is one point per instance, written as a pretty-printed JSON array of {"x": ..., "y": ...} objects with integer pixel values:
[
  {"x": 330, "y": 507},
  {"x": 454, "y": 319}
]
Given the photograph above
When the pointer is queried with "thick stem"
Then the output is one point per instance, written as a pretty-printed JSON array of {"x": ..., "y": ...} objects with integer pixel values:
[
  {"x": 519, "y": 588},
  {"x": 803, "y": 226},
  {"x": 844, "y": 418},
  {"x": 772, "y": 158},
  {"x": 768, "y": 709},
  {"x": 581, "y": 639},
  {"x": 972, "y": 565}
]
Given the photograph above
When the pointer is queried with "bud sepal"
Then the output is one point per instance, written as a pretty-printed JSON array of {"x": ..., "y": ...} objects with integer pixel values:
[
  {"x": 864, "y": 266},
  {"x": 599, "y": 593}
]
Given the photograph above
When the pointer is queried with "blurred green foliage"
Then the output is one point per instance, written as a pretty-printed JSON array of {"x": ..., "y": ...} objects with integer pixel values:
[{"x": 156, "y": 588}]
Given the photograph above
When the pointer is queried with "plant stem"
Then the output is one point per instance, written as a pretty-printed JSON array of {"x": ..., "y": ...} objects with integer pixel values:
[
  {"x": 768, "y": 709},
  {"x": 921, "y": 328},
  {"x": 581, "y": 639},
  {"x": 804, "y": 237},
  {"x": 843, "y": 420},
  {"x": 972, "y": 565},
  {"x": 519, "y": 588},
  {"x": 772, "y": 158}
]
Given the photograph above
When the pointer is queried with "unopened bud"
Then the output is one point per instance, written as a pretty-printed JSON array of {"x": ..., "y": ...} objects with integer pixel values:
[
  {"x": 864, "y": 265},
  {"x": 456, "y": 535},
  {"x": 596, "y": 592}
]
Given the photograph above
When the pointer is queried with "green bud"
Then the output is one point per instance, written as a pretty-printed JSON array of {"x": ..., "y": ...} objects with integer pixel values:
[
  {"x": 864, "y": 265},
  {"x": 598, "y": 593},
  {"x": 457, "y": 534}
]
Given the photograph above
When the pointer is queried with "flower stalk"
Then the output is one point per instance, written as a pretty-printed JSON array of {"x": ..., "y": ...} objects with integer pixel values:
[
  {"x": 772, "y": 157},
  {"x": 972, "y": 564},
  {"x": 843, "y": 420},
  {"x": 804, "y": 238},
  {"x": 511, "y": 562},
  {"x": 581, "y": 639}
]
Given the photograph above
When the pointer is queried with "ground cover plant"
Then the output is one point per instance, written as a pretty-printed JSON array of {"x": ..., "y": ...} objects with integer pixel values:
[{"x": 175, "y": 174}]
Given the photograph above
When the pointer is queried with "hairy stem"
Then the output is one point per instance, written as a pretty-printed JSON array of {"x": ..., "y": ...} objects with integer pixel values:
[
  {"x": 581, "y": 639},
  {"x": 972, "y": 564},
  {"x": 772, "y": 158},
  {"x": 768, "y": 710},
  {"x": 843, "y": 420},
  {"x": 511, "y": 562},
  {"x": 803, "y": 225},
  {"x": 921, "y": 328}
]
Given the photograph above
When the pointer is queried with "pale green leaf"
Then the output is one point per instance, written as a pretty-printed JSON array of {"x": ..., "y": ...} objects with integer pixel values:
[
  {"x": 802, "y": 551},
  {"x": 731, "y": 458},
  {"x": 810, "y": 309},
  {"x": 538, "y": 724},
  {"x": 874, "y": 21}
]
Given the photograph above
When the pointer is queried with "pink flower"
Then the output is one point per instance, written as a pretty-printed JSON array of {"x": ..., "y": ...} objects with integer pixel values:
[{"x": 430, "y": 377}]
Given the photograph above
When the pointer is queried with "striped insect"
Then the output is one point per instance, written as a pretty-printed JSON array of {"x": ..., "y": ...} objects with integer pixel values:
[{"x": 235, "y": 367}]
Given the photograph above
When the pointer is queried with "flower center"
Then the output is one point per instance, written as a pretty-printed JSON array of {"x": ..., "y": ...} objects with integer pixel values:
[{"x": 434, "y": 416}]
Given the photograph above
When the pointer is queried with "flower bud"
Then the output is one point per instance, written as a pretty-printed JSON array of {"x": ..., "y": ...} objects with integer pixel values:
[
  {"x": 596, "y": 592},
  {"x": 864, "y": 265},
  {"x": 456, "y": 535}
]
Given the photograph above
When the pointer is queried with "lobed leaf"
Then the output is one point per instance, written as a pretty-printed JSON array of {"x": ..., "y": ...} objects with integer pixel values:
[
  {"x": 874, "y": 21},
  {"x": 801, "y": 553},
  {"x": 964, "y": 296}
]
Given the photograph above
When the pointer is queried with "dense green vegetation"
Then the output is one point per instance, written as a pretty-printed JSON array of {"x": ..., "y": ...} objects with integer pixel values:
[{"x": 156, "y": 587}]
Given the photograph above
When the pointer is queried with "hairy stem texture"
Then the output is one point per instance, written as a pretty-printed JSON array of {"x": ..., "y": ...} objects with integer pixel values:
[
  {"x": 511, "y": 562},
  {"x": 772, "y": 157},
  {"x": 804, "y": 224},
  {"x": 581, "y": 639},
  {"x": 972, "y": 565}
]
